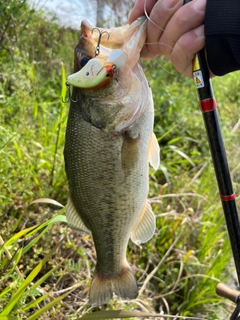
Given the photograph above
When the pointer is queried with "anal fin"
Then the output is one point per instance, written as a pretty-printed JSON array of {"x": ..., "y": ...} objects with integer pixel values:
[
  {"x": 73, "y": 219},
  {"x": 145, "y": 228},
  {"x": 154, "y": 152}
]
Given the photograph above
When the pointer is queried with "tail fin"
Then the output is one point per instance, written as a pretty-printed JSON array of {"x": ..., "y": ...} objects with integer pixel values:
[{"x": 124, "y": 285}]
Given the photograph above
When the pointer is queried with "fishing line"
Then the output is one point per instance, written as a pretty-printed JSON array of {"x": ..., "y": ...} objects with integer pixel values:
[{"x": 161, "y": 43}]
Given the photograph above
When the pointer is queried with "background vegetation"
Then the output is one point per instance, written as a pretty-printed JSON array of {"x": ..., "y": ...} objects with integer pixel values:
[{"x": 45, "y": 267}]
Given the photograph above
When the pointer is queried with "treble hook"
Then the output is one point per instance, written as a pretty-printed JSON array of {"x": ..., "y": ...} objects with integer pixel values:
[
  {"x": 69, "y": 98},
  {"x": 101, "y": 33}
]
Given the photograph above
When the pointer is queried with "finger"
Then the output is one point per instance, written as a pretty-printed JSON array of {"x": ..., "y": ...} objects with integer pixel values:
[
  {"x": 185, "y": 19},
  {"x": 181, "y": 58},
  {"x": 146, "y": 54},
  {"x": 158, "y": 19},
  {"x": 139, "y": 9}
]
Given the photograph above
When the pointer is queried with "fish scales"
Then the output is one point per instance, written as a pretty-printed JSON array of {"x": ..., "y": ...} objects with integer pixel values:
[
  {"x": 107, "y": 158},
  {"x": 99, "y": 188}
]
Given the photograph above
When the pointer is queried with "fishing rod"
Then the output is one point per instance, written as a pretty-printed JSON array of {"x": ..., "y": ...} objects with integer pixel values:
[{"x": 208, "y": 106}]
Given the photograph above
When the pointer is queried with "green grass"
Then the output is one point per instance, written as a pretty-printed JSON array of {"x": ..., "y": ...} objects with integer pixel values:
[{"x": 45, "y": 267}]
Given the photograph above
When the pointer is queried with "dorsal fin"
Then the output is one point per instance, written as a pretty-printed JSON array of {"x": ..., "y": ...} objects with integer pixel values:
[{"x": 73, "y": 218}]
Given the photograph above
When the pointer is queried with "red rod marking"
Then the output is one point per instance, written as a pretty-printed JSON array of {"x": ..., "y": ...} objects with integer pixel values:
[
  {"x": 208, "y": 105},
  {"x": 228, "y": 198}
]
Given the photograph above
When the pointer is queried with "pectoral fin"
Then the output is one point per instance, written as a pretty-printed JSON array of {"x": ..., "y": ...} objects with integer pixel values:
[
  {"x": 154, "y": 152},
  {"x": 145, "y": 228},
  {"x": 73, "y": 219}
]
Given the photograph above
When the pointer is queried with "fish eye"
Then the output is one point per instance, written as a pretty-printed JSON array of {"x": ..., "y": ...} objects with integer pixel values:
[{"x": 84, "y": 61}]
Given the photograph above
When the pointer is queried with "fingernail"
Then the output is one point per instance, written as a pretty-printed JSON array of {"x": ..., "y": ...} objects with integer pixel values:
[
  {"x": 170, "y": 4},
  {"x": 199, "y": 31},
  {"x": 199, "y": 5}
]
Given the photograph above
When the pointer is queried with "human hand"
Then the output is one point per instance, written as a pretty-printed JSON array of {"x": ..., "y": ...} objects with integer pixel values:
[{"x": 173, "y": 30}]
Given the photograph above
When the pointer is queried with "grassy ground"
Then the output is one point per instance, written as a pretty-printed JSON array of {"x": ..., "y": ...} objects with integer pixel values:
[{"x": 45, "y": 267}]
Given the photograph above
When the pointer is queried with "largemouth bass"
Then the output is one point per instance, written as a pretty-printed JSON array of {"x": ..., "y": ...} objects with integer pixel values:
[{"x": 109, "y": 144}]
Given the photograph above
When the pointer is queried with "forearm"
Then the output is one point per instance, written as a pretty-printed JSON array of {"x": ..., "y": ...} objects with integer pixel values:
[{"x": 222, "y": 32}]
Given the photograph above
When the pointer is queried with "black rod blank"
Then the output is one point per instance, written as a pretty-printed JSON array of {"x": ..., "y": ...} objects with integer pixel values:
[{"x": 209, "y": 110}]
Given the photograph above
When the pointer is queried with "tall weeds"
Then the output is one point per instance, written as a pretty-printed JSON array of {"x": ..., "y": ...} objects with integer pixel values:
[{"x": 46, "y": 268}]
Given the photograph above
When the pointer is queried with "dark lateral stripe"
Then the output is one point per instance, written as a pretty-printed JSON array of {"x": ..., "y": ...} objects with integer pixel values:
[
  {"x": 208, "y": 105},
  {"x": 228, "y": 198}
]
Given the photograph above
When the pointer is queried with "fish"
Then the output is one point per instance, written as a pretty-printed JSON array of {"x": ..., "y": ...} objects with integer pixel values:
[{"x": 109, "y": 144}]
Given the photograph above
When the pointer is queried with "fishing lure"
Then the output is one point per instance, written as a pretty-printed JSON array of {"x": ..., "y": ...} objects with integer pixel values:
[
  {"x": 101, "y": 33},
  {"x": 96, "y": 72}
]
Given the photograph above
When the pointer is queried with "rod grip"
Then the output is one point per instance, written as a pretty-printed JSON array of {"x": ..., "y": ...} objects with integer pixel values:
[{"x": 224, "y": 291}]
